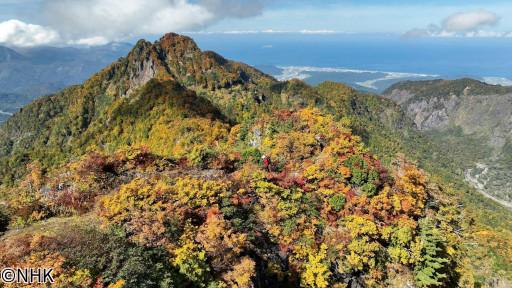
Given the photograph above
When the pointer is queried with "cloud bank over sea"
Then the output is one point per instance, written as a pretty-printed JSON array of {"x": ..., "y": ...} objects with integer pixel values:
[{"x": 372, "y": 81}]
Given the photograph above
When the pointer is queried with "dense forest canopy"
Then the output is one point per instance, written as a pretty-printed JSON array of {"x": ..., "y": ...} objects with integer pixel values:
[{"x": 175, "y": 167}]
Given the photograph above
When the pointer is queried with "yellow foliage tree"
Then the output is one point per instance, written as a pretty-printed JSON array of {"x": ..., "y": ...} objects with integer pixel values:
[
  {"x": 316, "y": 270},
  {"x": 241, "y": 274}
]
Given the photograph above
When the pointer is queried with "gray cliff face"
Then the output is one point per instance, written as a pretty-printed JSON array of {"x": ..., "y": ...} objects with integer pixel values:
[
  {"x": 427, "y": 114},
  {"x": 478, "y": 115},
  {"x": 470, "y": 112},
  {"x": 145, "y": 71}
]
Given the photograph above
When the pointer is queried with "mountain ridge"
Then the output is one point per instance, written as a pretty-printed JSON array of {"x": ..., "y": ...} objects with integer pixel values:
[
  {"x": 468, "y": 114},
  {"x": 81, "y": 104},
  {"x": 7, "y": 54}
]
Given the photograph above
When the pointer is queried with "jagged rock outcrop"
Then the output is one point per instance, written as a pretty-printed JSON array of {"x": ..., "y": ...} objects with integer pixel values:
[{"x": 179, "y": 58}]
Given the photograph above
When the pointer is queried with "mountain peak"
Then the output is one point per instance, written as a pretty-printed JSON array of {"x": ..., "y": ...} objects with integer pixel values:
[
  {"x": 180, "y": 48},
  {"x": 7, "y": 55},
  {"x": 173, "y": 40},
  {"x": 178, "y": 57}
]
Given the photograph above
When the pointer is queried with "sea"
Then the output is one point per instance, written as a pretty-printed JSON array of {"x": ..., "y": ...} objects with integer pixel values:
[{"x": 367, "y": 62}]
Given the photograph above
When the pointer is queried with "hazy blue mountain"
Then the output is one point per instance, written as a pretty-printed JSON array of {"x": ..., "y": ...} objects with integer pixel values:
[
  {"x": 27, "y": 73},
  {"x": 9, "y": 55}
]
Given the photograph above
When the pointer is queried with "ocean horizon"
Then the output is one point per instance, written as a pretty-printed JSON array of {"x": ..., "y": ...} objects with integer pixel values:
[{"x": 368, "y": 62}]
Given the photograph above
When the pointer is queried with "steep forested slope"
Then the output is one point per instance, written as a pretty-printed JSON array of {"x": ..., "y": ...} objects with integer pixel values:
[{"x": 472, "y": 116}]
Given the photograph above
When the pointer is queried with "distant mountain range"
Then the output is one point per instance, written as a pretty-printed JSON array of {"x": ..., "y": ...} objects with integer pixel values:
[{"x": 27, "y": 73}]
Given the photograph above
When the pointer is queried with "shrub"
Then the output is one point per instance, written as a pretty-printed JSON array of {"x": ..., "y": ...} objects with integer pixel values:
[
  {"x": 252, "y": 155},
  {"x": 369, "y": 189},
  {"x": 337, "y": 202}
]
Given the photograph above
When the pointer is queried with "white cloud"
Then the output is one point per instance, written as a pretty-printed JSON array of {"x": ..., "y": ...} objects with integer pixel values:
[
  {"x": 92, "y": 41},
  {"x": 301, "y": 73},
  {"x": 306, "y": 31},
  {"x": 462, "y": 24},
  {"x": 123, "y": 19},
  {"x": 469, "y": 21},
  {"x": 498, "y": 81},
  {"x": 18, "y": 33},
  {"x": 97, "y": 22}
]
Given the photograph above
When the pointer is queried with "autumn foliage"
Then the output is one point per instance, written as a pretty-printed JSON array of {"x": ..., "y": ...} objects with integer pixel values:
[{"x": 321, "y": 211}]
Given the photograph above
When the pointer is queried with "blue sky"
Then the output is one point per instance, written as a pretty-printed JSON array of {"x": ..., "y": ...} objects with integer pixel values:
[
  {"x": 92, "y": 22},
  {"x": 364, "y": 16}
]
